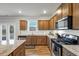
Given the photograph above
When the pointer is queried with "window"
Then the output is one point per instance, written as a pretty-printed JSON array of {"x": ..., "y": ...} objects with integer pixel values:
[{"x": 32, "y": 25}]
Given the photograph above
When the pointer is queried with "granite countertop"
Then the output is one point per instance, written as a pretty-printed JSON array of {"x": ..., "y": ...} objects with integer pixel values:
[
  {"x": 72, "y": 48},
  {"x": 5, "y": 50},
  {"x": 32, "y": 35}
]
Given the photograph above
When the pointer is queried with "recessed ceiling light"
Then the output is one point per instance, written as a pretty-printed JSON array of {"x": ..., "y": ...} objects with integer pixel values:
[
  {"x": 44, "y": 11},
  {"x": 20, "y": 12},
  {"x": 59, "y": 11}
]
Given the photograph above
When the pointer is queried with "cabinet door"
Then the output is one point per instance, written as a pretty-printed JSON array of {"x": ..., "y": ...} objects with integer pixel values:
[
  {"x": 44, "y": 40},
  {"x": 55, "y": 20},
  {"x": 76, "y": 16},
  {"x": 28, "y": 40},
  {"x": 67, "y": 9},
  {"x": 40, "y": 25},
  {"x": 51, "y": 23},
  {"x": 34, "y": 41},
  {"x": 20, "y": 51},
  {"x": 59, "y": 13},
  {"x": 38, "y": 40},
  {"x": 23, "y": 25},
  {"x": 45, "y": 25}
]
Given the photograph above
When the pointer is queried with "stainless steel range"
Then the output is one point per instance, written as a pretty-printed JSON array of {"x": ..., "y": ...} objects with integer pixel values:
[{"x": 65, "y": 39}]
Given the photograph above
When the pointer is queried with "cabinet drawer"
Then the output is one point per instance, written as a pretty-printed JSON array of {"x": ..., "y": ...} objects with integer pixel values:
[{"x": 20, "y": 50}]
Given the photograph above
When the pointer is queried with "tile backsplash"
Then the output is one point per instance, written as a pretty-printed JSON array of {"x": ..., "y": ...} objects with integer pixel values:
[
  {"x": 74, "y": 32},
  {"x": 34, "y": 32}
]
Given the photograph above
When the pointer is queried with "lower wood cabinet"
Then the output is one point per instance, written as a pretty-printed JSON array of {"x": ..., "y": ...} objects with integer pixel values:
[
  {"x": 28, "y": 40},
  {"x": 42, "y": 40},
  {"x": 66, "y": 52},
  {"x": 20, "y": 51},
  {"x": 35, "y": 40}
]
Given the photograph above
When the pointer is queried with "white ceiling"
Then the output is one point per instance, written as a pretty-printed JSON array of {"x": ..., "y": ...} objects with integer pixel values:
[{"x": 28, "y": 9}]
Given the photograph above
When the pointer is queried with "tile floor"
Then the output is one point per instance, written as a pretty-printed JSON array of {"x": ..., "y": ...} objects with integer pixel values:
[{"x": 38, "y": 51}]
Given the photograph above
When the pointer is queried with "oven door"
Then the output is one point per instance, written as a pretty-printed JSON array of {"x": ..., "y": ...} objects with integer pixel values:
[{"x": 57, "y": 50}]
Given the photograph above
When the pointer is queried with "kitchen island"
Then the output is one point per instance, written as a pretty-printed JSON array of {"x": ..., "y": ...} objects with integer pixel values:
[{"x": 15, "y": 49}]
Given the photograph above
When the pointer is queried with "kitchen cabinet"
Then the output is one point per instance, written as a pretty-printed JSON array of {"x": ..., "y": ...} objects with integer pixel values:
[
  {"x": 19, "y": 51},
  {"x": 40, "y": 25},
  {"x": 62, "y": 11},
  {"x": 35, "y": 40},
  {"x": 41, "y": 40},
  {"x": 59, "y": 13},
  {"x": 51, "y": 23},
  {"x": 46, "y": 24},
  {"x": 66, "y": 9},
  {"x": 65, "y": 52},
  {"x": 31, "y": 40},
  {"x": 71, "y": 9},
  {"x": 75, "y": 15},
  {"x": 28, "y": 40},
  {"x": 43, "y": 24},
  {"x": 55, "y": 20},
  {"x": 23, "y": 25},
  {"x": 44, "y": 40}
]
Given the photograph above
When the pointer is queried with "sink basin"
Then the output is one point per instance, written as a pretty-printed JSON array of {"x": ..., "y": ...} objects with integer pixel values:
[{"x": 50, "y": 36}]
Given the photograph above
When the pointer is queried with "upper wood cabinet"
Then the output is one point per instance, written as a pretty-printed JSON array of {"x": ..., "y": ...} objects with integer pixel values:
[
  {"x": 23, "y": 25},
  {"x": 43, "y": 24},
  {"x": 76, "y": 16},
  {"x": 63, "y": 10},
  {"x": 51, "y": 23},
  {"x": 40, "y": 25},
  {"x": 55, "y": 20},
  {"x": 66, "y": 9},
  {"x": 59, "y": 13}
]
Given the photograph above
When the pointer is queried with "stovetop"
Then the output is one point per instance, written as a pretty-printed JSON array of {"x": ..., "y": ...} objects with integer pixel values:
[{"x": 60, "y": 41}]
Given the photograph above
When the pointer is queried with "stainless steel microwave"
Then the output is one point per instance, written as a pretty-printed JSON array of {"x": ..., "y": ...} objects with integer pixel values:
[{"x": 64, "y": 23}]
